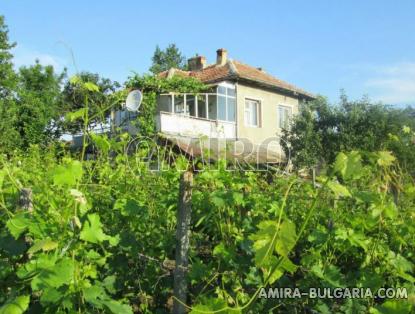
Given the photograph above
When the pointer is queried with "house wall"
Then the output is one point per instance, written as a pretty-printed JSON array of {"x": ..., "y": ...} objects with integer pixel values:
[{"x": 268, "y": 114}]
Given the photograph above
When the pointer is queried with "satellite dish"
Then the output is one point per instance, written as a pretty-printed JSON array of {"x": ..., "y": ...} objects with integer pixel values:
[{"x": 133, "y": 101}]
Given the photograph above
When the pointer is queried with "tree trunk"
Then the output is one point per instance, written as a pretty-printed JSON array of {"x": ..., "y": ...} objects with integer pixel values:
[{"x": 184, "y": 211}]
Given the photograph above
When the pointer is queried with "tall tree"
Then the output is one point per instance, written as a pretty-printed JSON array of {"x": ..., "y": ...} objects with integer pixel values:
[
  {"x": 8, "y": 77},
  {"x": 171, "y": 57},
  {"x": 322, "y": 130},
  {"x": 8, "y": 80},
  {"x": 38, "y": 104},
  {"x": 74, "y": 96}
]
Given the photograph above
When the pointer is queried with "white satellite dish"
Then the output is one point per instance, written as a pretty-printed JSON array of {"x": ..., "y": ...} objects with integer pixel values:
[{"x": 133, "y": 101}]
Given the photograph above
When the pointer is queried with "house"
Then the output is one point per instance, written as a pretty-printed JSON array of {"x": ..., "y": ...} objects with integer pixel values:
[{"x": 245, "y": 104}]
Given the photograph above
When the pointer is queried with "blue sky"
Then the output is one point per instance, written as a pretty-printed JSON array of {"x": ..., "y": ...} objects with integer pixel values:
[{"x": 365, "y": 47}]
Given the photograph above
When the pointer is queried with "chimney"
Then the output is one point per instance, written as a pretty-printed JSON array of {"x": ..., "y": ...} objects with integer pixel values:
[
  {"x": 221, "y": 56},
  {"x": 196, "y": 63}
]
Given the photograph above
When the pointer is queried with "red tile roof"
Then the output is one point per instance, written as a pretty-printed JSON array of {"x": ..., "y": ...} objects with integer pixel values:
[{"x": 237, "y": 70}]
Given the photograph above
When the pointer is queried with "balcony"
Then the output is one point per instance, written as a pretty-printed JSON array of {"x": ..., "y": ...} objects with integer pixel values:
[{"x": 196, "y": 115}]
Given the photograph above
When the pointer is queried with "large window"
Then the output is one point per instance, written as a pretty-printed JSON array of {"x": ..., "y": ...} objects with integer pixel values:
[
  {"x": 252, "y": 112},
  {"x": 201, "y": 106},
  {"x": 284, "y": 116},
  {"x": 179, "y": 104},
  {"x": 226, "y": 103},
  {"x": 219, "y": 103},
  {"x": 212, "y": 105}
]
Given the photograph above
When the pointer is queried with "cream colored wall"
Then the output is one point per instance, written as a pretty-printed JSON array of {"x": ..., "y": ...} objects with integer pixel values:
[{"x": 268, "y": 116}]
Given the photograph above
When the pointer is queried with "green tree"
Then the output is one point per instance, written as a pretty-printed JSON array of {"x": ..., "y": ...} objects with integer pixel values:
[
  {"x": 8, "y": 77},
  {"x": 8, "y": 80},
  {"x": 322, "y": 130},
  {"x": 38, "y": 104},
  {"x": 171, "y": 57},
  {"x": 74, "y": 96}
]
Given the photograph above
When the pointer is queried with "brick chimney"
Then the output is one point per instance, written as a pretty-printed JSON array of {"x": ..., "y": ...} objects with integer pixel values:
[
  {"x": 196, "y": 63},
  {"x": 221, "y": 56}
]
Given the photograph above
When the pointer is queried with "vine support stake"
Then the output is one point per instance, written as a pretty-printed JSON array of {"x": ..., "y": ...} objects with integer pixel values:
[
  {"x": 26, "y": 199},
  {"x": 184, "y": 212}
]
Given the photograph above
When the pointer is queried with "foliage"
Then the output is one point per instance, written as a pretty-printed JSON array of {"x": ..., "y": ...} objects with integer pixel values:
[
  {"x": 8, "y": 79},
  {"x": 7, "y": 75},
  {"x": 31, "y": 116},
  {"x": 321, "y": 130},
  {"x": 75, "y": 93},
  {"x": 151, "y": 86},
  {"x": 102, "y": 234},
  {"x": 163, "y": 60}
]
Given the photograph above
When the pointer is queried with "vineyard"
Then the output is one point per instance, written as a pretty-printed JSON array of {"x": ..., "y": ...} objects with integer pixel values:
[
  {"x": 98, "y": 236},
  {"x": 99, "y": 229}
]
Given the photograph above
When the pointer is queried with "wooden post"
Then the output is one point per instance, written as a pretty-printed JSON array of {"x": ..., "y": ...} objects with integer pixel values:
[
  {"x": 184, "y": 211},
  {"x": 26, "y": 199}
]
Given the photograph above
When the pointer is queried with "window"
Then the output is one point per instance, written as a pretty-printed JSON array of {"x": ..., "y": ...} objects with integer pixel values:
[
  {"x": 165, "y": 103},
  {"x": 201, "y": 106},
  {"x": 179, "y": 104},
  {"x": 226, "y": 103},
  {"x": 252, "y": 111},
  {"x": 212, "y": 104},
  {"x": 284, "y": 116},
  {"x": 191, "y": 105}
]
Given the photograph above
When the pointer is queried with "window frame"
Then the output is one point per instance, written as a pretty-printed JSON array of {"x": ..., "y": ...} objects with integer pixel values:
[
  {"x": 290, "y": 115},
  {"x": 227, "y": 97},
  {"x": 258, "y": 112}
]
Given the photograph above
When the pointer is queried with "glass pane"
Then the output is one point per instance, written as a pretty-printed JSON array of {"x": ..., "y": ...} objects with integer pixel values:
[
  {"x": 221, "y": 108},
  {"x": 254, "y": 115},
  {"x": 222, "y": 90},
  {"x": 281, "y": 118},
  {"x": 212, "y": 107},
  {"x": 179, "y": 104},
  {"x": 231, "y": 92},
  {"x": 231, "y": 109},
  {"x": 164, "y": 103},
  {"x": 247, "y": 117},
  {"x": 247, "y": 112},
  {"x": 191, "y": 108},
  {"x": 201, "y": 106}
]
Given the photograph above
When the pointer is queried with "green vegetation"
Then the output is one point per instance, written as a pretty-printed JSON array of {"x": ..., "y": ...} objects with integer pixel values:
[
  {"x": 171, "y": 57},
  {"x": 98, "y": 235},
  {"x": 322, "y": 130}
]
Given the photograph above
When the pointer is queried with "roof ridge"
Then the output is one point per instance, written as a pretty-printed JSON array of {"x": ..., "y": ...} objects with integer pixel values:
[{"x": 298, "y": 89}]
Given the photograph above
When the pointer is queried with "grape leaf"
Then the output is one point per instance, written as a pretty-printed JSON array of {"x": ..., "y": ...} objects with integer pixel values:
[
  {"x": 92, "y": 230},
  {"x": 349, "y": 166},
  {"x": 18, "y": 224},
  {"x": 44, "y": 245},
  {"x": 68, "y": 174},
  {"x": 16, "y": 306}
]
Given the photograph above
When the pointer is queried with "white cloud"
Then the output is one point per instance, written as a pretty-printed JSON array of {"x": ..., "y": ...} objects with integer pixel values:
[
  {"x": 394, "y": 84},
  {"x": 25, "y": 57}
]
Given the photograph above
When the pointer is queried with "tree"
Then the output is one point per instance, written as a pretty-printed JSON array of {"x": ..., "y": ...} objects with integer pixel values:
[
  {"x": 8, "y": 77},
  {"x": 171, "y": 57},
  {"x": 29, "y": 100},
  {"x": 74, "y": 98},
  {"x": 38, "y": 104},
  {"x": 322, "y": 130},
  {"x": 8, "y": 80}
]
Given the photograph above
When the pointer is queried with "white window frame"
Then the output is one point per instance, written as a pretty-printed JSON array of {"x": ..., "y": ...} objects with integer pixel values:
[
  {"x": 226, "y": 85},
  {"x": 258, "y": 112},
  {"x": 290, "y": 114}
]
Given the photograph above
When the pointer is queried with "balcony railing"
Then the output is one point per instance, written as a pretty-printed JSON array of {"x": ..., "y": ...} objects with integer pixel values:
[{"x": 205, "y": 114}]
